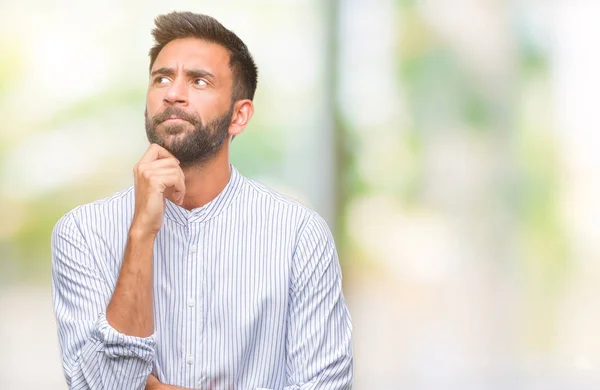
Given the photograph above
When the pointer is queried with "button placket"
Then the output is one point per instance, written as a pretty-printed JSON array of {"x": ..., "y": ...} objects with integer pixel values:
[
  {"x": 190, "y": 302},
  {"x": 201, "y": 305}
]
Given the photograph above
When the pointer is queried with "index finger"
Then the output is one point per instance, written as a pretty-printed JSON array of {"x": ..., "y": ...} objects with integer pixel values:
[{"x": 155, "y": 152}]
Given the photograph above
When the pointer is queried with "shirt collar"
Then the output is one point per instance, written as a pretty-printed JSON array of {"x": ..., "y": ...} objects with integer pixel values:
[{"x": 212, "y": 208}]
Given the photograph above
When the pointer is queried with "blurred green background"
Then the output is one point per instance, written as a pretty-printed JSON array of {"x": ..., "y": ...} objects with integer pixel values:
[{"x": 450, "y": 145}]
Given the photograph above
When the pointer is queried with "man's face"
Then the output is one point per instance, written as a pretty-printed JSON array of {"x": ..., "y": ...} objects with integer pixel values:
[{"x": 188, "y": 105}]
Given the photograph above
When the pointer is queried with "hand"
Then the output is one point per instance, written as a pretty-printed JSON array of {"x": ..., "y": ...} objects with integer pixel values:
[
  {"x": 156, "y": 176},
  {"x": 154, "y": 384}
]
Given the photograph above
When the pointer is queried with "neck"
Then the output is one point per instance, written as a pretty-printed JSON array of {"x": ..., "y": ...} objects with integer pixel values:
[{"x": 205, "y": 182}]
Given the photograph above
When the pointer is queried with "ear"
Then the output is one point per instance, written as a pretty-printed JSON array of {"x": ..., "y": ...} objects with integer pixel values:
[{"x": 242, "y": 112}]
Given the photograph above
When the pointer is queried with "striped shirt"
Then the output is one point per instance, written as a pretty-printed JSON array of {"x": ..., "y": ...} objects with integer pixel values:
[{"x": 247, "y": 295}]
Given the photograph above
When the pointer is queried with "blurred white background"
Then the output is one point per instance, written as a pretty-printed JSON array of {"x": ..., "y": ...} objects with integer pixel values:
[{"x": 451, "y": 146}]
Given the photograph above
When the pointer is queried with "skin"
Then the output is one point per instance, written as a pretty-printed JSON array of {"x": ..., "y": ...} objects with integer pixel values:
[{"x": 195, "y": 76}]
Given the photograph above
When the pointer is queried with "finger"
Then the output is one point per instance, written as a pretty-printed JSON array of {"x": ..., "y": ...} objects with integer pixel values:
[
  {"x": 163, "y": 177},
  {"x": 174, "y": 196},
  {"x": 170, "y": 162},
  {"x": 171, "y": 181},
  {"x": 179, "y": 188},
  {"x": 155, "y": 152}
]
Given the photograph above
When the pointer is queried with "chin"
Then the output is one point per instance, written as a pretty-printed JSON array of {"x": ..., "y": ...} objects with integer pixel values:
[{"x": 175, "y": 129}]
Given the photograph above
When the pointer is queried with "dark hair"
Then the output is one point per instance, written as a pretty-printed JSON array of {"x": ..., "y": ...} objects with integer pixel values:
[{"x": 176, "y": 25}]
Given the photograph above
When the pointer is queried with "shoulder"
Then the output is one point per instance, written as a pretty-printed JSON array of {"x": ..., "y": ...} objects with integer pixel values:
[
  {"x": 309, "y": 228},
  {"x": 104, "y": 211},
  {"x": 263, "y": 199}
]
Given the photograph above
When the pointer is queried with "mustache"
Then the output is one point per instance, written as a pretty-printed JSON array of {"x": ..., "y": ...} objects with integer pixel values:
[{"x": 179, "y": 113}]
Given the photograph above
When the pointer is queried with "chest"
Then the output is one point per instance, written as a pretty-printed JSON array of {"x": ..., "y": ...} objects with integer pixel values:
[
  {"x": 224, "y": 277},
  {"x": 219, "y": 297}
]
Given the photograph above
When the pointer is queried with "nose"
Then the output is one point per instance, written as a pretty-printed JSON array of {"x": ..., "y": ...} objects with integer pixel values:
[{"x": 177, "y": 93}]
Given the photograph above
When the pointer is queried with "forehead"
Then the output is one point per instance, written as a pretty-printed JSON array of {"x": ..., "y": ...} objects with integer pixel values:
[{"x": 193, "y": 53}]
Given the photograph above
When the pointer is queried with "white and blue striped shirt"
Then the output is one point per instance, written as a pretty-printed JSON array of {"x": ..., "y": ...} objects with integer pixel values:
[{"x": 247, "y": 295}]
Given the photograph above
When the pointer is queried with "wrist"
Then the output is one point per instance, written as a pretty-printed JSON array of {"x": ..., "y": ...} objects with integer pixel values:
[
  {"x": 140, "y": 230},
  {"x": 137, "y": 232}
]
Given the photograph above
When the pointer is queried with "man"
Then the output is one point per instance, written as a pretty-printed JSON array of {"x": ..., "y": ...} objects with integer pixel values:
[{"x": 196, "y": 276}]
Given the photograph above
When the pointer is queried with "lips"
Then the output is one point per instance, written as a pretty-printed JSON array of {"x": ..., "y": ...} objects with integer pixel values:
[
  {"x": 174, "y": 119},
  {"x": 174, "y": 116}
]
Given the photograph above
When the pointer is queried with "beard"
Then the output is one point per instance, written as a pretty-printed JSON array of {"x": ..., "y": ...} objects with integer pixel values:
[{"x": 190, "y": 147}]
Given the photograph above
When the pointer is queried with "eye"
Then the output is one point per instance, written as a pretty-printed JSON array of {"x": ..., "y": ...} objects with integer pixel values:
[
  {"x": 161, "y": 80},
  {"x": 200, "y": 82}
]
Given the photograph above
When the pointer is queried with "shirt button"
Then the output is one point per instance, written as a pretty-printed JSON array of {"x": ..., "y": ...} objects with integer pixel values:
[
  {"x": 193, "y": 248},
  {"x": 190, "y": 359},
  {"x": 191, "y": 302}
]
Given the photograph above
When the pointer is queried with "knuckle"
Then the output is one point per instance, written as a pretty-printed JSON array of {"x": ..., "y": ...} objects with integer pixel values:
[
  {"x": 154, "y": 181},
  {"x": 170, "y": 162}
]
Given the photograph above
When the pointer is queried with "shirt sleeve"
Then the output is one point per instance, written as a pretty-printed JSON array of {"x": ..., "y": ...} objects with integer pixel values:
[
  {"x": 94, "y": 355},
  {"x": 319, "y": 340}
]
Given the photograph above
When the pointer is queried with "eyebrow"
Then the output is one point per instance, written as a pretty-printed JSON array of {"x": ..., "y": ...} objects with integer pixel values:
[{"x": 190, "y": 73}]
